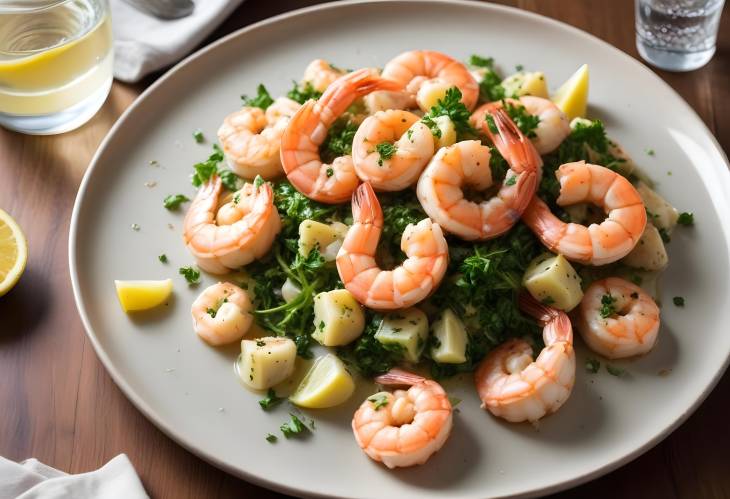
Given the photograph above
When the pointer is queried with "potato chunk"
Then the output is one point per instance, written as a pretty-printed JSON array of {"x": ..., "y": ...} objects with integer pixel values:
[
  {"x": 407, "y": 328},
  {"x": 522, "y": 83},
  {"x": 430, "y": 93},
  {"x": 448, "y": 132},
  {"x": 649, "y": 253},
  {"x": 338, "y": 318},
  {"x": 659, "y": 212},
  {"x": 313, "y": 234},
  {"x": 553, "y": 280},
  {"x": 265, "y": 362},
  {"x": 452, "y": 339}
]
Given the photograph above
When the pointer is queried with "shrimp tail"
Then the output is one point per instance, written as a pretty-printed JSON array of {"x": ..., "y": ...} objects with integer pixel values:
[
  {"x": 557, "y": 325},
  {"x": 399, "y": 377},
  {"x": 539, "y": 311},
  {"x": 511, "y": 142},
  {"x": 365, "y": 206}
]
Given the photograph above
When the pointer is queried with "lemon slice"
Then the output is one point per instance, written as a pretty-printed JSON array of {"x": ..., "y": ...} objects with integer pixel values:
[
  {"x": 572, "y": 96},
  {"x": 13, "y": 252},
  {"x": 326, "y": 384},
  {"x": 142, "y": 295}
]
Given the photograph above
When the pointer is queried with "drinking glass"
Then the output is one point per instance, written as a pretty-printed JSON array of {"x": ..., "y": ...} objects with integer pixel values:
[
  {"x": 678, "y": 35},
  {"x": 55, "y": 63}
]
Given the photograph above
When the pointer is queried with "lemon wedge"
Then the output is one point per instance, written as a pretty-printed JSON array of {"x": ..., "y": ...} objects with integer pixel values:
[
  {"x": 326, "y": 384},
  {"x": 142, "y": 295},
  {"x": 13, "y": 252},
  {"x": 572, "y": 96}
]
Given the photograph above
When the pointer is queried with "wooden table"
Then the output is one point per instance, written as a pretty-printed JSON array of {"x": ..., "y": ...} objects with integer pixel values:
[{"x": 57, "y": 403}]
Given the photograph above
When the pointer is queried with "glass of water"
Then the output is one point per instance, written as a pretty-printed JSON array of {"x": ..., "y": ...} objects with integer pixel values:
[
  {"x": 678, "y": 35},
  {"x": 55, "y": 63}
]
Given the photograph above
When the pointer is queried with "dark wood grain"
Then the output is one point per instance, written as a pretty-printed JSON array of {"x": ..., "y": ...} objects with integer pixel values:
[{"x": 57, "y": 402}]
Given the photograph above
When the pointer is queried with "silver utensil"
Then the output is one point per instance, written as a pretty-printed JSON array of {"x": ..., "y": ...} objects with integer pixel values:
[{"x": 164, "y": 9}]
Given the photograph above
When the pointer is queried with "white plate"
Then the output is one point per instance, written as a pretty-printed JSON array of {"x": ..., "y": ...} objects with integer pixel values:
[{"x": 606, "y": 422}]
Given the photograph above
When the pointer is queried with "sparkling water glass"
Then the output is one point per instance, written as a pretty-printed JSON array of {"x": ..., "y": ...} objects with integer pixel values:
[
  {"x": 55, "y": 63},
  {"x": 678, "y": 35}
]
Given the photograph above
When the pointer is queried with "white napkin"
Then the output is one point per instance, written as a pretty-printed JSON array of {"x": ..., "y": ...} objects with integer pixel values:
[
  {"x": 143, "y": 43},
  {"x": 32, "y": 479}
]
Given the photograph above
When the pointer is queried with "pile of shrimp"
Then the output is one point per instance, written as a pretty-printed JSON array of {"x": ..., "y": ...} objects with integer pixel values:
[{"x": 408, "y": 425}]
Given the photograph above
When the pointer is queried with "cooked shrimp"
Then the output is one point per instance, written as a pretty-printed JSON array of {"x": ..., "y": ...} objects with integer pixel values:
[
  {"x": 423, "y": 68},
  {"x": 424, "y": 245},
  {"x": 401, "y": 130},
  {"x": 513, "y": 386},
  {"x": 406, "y": 427},
  {"x": 466, "y": 164},
  {"x": 220, "y": 248},
  {"x": 320, "y": 74},
  {"x": 551, "y": 130},
  {"x": 251, "y": 138},
  {"x": 617, "y": 319},
  {"x": 597, "y": 244},
  {"x": 221, "y": 314},
  {"x": 307, "y": 131}
]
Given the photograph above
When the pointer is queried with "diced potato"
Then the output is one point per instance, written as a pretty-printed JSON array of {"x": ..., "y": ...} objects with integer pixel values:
[
  {"x": 407, "y": 328},
  {"x": 338, "y": 318},
  {"x": 430, "y": 93},
  {"x": 289, "y": 290},
  {"x": 448, "y": 132},
  {"x": 572, "y": 96},
  {"x": 552, "y": 280},
  {"x": 265, "y": 362},
  {"x": 660, "y": 213},
  {"x": 313, "y": 234},
  {"x": 649, "y": 253},
  {"x": 522, "y": 83},
  {"x": 452, "y": 339}
]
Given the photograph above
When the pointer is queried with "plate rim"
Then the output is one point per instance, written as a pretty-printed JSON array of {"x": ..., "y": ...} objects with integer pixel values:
[{"x": 179, "y": 438}]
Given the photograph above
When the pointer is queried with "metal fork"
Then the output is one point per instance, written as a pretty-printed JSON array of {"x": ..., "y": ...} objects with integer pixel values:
[{"x": 164, "y": 9}]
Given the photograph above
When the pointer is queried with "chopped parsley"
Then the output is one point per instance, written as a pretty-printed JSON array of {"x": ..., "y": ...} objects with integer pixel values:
[
  {"x": 211, "y": 312},
  {"x": 526, "y": 122},
  {"x": 270, "y": 401},
  {"x": 678, "y": 301},
  {"x": 162, "y": 258},
  {"x": 257, "y": 182},
  {"x": 262, "y": 99},
  {"x": 211, "y": 166},
  {"x": 664, "y": 235},
  {"x": 386, "y": 150},
  {"x": 339, "y": 140},
  {"x": 490, "y": 87},
  {"x": 293, "y": 427},
  {"x": 190, "y": 274},
  {"x": 592, "y": 365},
  {"x": 615, "y": 371},
  {"x": 330, "y": 171},
  {"x": 303, "y": 93},
  {"x": 650, "y": 152},
  {"x": 173, "y": 201},
  {"x": 198, "y": 136},
  {"x": 686, "y": 218},
  {"x": 511, "y": 181},
  {"x": 608, "y": 306},
  {"x": 271, "y": 438},
  {"x": 379, "y": 400},
  {"x": 451, "y": 107}
]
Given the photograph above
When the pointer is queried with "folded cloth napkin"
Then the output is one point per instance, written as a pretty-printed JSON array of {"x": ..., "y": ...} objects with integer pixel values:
[
  {"x": 32, "y": 479},
  {"x": 143, "y": 43}
]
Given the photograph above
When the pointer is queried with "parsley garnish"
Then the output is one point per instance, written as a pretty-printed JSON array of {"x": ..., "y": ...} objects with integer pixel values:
[
  {"x": 526, "y": 122},
  {"x": 293, "y": 427},
  {"x": 198, "y": 136},
  {"x": 379, "y": 400},
  {"x": 664, "y": 235},
  {"x": 206, "y": 169},
  {"x": 271, "y": 400},
  {"x": 339, "y": 140},
  {"x": 271, "y": 438},
  {"x": 162, "y": 258},
  {"x": 615, "y": 371},
  {"x": 490, "y": 88},
  {"x": 303, "y": 93},
  {"x": 386, "y": 150},
  {"x": 592, "y": 365},
  {"x": 511, "y": 181},
  {"x": 173, "y": 201},
  {"x": 211, "y": 312},
  {"x": 262, "y": 100},
  {"x": 678, "y": 301},
  {"x": 257, "y": 182},
  {"x": 190, "y": 274},
  {"x": 452, "y": 107},
  {"x": 330, "y": 172},
  {"x": 686, "y": 218},
  {"x": 608, "y": 306}
]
